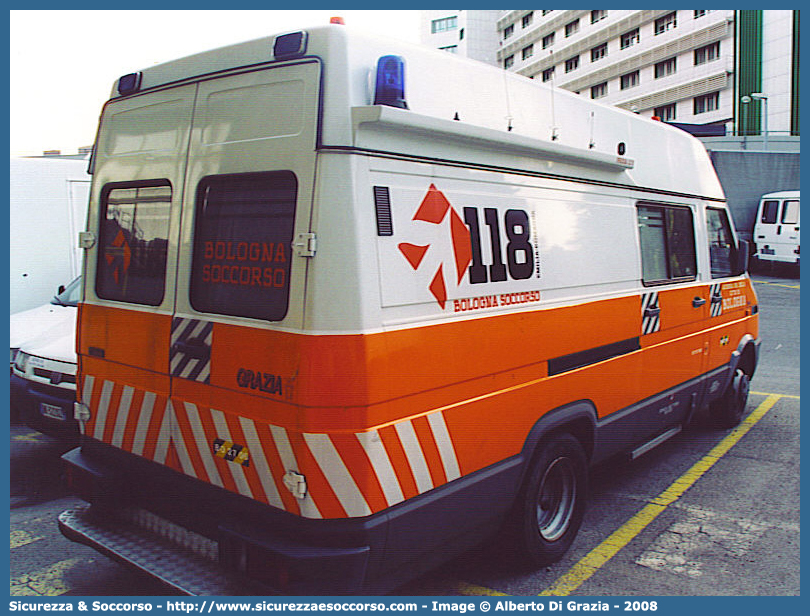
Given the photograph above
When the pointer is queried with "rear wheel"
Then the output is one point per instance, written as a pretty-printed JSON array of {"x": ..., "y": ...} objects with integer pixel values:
[
  {"x": 552, "y": 503},
  {"x": 728, "y": 410}
]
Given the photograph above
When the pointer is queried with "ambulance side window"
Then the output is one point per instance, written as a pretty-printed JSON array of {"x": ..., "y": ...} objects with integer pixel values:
[
  {"x": 770, "y": 212},
  {"x": 133, "y": 240},
  {"x": 242, "y": 239},
  {"x": 667, "y": 237},
  {"x": 721, "y": 243}
]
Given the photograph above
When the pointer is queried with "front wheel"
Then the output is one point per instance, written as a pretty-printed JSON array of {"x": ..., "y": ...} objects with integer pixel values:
[
  {"x": 552, "y": 503},
  {"x": 728, "y": 410}
]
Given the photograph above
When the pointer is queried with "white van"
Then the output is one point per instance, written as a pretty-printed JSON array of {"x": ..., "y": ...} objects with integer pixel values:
[
  {"x": 776, "y": 230},
  {"x": 375, "y": 301},
  {"x": 43, "y": 364}
]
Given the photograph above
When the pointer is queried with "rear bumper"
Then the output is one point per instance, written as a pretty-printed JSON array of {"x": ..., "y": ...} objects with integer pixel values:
[{"x": 251, "y": 548}]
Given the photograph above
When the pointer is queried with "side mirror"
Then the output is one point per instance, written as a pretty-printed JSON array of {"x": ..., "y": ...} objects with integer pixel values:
[
  {"x": 60, "y": 290},
  {"x": 741, "y": 261}
]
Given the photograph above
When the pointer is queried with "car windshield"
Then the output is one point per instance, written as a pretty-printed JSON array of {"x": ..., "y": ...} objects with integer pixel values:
[{"x": 71, "y": 295}]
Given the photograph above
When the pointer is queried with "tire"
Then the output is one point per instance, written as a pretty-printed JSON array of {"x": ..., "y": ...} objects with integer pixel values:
[
  {"x": 551, "y": 505},
  {"x": 728, "y": 410}
]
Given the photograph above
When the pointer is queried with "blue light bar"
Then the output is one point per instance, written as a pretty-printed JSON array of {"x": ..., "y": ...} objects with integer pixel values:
[{"x": 389, "y": 88}]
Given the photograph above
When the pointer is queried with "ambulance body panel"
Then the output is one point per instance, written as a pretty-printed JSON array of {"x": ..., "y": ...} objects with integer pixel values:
[{"x": 350, "y": 321}]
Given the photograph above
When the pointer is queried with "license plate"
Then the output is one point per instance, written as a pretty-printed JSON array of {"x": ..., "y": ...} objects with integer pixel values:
[
  {"x": 52, "y": 411},
  {"x": 768, "y": 251}
]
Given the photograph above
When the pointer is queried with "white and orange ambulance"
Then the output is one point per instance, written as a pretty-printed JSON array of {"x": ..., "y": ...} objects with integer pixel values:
[{"x": 351, "y": 306}]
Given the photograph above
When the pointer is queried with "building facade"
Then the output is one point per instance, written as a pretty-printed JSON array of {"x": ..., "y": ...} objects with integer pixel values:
[
  {"x": 468, "y": 33},
  {"x": 715, "y": 70}
]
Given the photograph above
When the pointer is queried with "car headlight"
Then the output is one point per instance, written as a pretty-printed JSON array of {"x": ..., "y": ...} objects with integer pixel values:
[{"x": 21, "y": 361}]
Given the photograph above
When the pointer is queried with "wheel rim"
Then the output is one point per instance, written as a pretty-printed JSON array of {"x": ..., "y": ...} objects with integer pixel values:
[{"x": 555, "y": 499}]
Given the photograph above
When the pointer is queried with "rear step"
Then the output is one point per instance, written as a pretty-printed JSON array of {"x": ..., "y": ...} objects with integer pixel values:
[
  {"x": 190, "y": 571},
  {"x": 654, "y": 442}
]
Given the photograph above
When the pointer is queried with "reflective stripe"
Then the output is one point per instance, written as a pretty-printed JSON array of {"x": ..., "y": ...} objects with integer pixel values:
[
  {"x": 260, "y": 462},
  {"x": 416, "y": 459},
  {"x": 204, "y": 448},
  {"x": 445, "y": 445},
  {"x": 375, "y": 450},
  {"x": 123, "y": 415},
  {"x": 236, "y": 470},
  {"x": 337, "y": 475},
  {"x": 103, "y": 407},
  {"x": 143, "y": 423}
]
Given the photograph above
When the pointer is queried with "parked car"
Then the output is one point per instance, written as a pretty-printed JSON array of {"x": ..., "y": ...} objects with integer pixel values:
[
  {"x": 43, "y": 366},
  {"x": 776, "y": 230}
]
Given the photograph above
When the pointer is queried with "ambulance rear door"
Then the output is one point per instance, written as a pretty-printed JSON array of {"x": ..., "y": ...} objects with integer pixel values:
[{"x": 246, "y": 245}]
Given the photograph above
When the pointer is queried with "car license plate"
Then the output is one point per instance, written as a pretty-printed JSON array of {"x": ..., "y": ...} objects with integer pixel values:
[{"x": 52, "y": 411}]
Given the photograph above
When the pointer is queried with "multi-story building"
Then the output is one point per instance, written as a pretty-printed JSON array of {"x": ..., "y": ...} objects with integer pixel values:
[
  {"x": 719, "y": 69},
  {"x": 468, "y": 33},
  {"x": 697, "y": 67}
]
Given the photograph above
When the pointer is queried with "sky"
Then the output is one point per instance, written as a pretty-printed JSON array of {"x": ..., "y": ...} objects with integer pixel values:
[{"x": 63, "y": 63}]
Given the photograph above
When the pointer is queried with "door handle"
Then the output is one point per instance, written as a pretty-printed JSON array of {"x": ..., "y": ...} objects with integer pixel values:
[
  {"x": 652, "y": 312},
  {"x": 716, "y": 299},
  {"x": 193, "y": 348},
  {"x": 697, "y": 302}
]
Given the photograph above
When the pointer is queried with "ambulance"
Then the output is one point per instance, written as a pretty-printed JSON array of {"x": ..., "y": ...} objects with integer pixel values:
[{"x": 352, "y": 306}]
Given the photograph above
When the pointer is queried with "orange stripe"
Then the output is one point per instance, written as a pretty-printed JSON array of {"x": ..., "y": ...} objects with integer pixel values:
[
  {"x": 210, "y": 434},
  {"x": 251, "y": 474},
  {"x": 277, "y": 469},
  {"x": 430, "y": 451},
  {"x": 132, "y": 419},
  {"x": 153, "y": 431},
  {"x": 402, "y": 468},
  {"x": 112, "y": 412},
  {"x": 358, "y": 464},
  {"x": 317, "y": 485},
  {"x": 186, "y": 433}
]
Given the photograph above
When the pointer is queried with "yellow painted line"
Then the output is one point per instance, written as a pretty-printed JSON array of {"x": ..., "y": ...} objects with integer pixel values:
[
  {"x": 31, "y": 437},
  {"x": 20, "y": 538},
  {"x": 606, "y": 550},
  {"x": 777, "y": 284},
  {"x": 472, "y": 590},
  {"x": 762, "y": 393},
  {"x": 47, "y": 582}
]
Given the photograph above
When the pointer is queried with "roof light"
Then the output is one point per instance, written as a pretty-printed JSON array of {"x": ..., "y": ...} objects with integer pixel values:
[
  {"x": 337, "y": 20},
  {"x": 389, "y": 88},
  {"x": 290, "y": 45},
  {"x": 129, "y": 83}
]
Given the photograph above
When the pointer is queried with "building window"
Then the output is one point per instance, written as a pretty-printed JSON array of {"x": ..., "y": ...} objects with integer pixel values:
[
  {"x": 598, "y": 52},
  {"x": 707, "y": 103},
  {"x": 667, "y": 238},
  {"x": 548, "y": 74},
  {"x": 665, "y": 68},
  {"x": 548, "y": 40},
  {"x": 508, "y": 62},
  {"x": 630, "y": 80},
  {"x": 450, "y": 48},
  {"x": 701, "y": 13},
  {"x": 707, "y": 53},
  {"x": 572, "y": 28},
  {"x": 547, "y": 11},
  {"x": 527, "y": 20},
  {"x": 443, "y": 25},
  {"x": 528, "y": 52},
  {"x": 667, "y": 22},
  {"x": 628, "y": 39},
  {"x": 599, "y": 90},
  {"x": 666, "y": 112},
  {"x": 572, "y": 64},
  {"x": 598, "y": 16},
  {"x": 508, "y": 31},
  {"x": 461, "y": 34}
]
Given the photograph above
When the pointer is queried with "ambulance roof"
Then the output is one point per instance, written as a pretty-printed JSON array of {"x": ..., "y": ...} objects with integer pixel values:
[{"x": 469, "y": 112}]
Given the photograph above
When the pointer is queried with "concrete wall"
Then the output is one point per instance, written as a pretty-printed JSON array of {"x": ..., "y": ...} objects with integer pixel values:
[{"x": 746, "y": 176}]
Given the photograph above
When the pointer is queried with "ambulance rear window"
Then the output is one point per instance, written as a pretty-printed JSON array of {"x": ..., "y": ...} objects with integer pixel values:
[
  {"x": 133, "y": 242},
  {"x": 242, "y": 237},
  {"x": 667, "y": 237}
]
